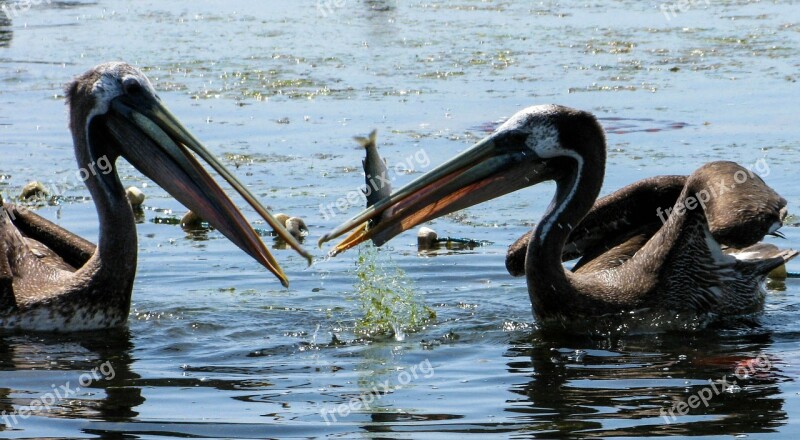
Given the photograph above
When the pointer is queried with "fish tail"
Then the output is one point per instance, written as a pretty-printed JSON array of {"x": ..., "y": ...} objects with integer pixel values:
[{"x": 367, "y": 141}]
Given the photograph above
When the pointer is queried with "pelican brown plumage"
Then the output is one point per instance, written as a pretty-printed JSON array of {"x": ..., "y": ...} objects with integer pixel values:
[
  {"x": 53, "y": 280},
  {"x": 624, "y": 220},
  {"x": 676, "y": 267}
]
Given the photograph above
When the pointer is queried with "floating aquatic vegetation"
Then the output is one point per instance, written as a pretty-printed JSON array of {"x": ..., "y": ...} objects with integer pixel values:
[
  {"x": 439, "y": 74},
  {"x": 166, "y": 221},
  {"x": 387, "y": 300},
  {"x": 239, "y": 159}
]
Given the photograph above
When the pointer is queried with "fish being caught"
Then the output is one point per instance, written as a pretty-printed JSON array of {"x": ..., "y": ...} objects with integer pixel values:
[
  {"x": 378, "y": 186},
  {"x": 376, "y": 174},
  {"x": 378, "y": 189}
]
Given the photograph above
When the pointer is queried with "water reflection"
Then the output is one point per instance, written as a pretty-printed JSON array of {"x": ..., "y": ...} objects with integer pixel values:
[
  {"x": 381, "y": 6},
  {"x": 221, "y": 362},
  {"x": 616, "y": 387},
  {"x": 49, "y": 369},
  {"x": 381, "y": 16},
  {"x": 6, "y": 34}
]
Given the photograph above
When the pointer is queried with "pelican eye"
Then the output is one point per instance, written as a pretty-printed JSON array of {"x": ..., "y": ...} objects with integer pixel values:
[
  {"x": 513, "y": 140},
  {"x": 131, "y": 86}
]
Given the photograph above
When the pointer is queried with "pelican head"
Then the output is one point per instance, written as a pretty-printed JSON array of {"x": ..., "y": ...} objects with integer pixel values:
[{"x": 115, "y": 112}]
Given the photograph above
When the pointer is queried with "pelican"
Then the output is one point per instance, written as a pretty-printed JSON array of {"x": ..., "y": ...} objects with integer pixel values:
[
  {"x": 679, "y": 268},
  {"x": 53, "y": 280},
  {"x": 619, "y": 224}
]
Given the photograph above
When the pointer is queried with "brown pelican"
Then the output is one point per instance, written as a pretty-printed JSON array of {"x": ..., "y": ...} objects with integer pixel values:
[
  {"x": 51, "y": 279},
  {"x": 619, "y": 224},
  {"x": 679, "y": 268}
]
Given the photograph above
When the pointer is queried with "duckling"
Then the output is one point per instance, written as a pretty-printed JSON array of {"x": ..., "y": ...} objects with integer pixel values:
[
  {"x": 32, "y": 190},
  {"x": 427, "y": 238},
  {"x": 295, "y": 225},
  {"x": 135, "y": 197},
  {"x": 192, "y": 222}
]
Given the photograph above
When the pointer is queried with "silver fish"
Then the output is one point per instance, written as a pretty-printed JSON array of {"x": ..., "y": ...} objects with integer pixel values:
[{"x": 376, "y": 174}]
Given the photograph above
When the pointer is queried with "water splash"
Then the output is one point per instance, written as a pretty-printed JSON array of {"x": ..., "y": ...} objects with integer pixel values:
[{"x": 387, "y": 300}]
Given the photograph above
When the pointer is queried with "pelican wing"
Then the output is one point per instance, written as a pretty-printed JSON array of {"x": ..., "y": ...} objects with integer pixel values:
[
  {"x": 739, "y": 207},
  {"x": 721, "y": 284},
  {"x": 50, "y": 242},
  {"x": 600, "y": 258},
  {"x": 686, "y": 251},
  {"x": 621, "y": 218},
  {"x": 6, "y": 275}
]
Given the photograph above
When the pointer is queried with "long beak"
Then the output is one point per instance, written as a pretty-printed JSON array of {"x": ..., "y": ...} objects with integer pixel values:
[
  {"x": 497, "y": 165},
  {"x": 155, "y": 142}
]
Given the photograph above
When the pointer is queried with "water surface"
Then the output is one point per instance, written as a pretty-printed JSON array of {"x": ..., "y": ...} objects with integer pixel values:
[{"x": 216, "y": 348}]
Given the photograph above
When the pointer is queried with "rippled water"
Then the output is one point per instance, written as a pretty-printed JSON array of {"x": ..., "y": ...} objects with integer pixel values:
[{"x": 216, "y": 348}]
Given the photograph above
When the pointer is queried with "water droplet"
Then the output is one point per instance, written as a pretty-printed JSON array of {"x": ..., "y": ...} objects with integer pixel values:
[{"x": 733, "y": 389}]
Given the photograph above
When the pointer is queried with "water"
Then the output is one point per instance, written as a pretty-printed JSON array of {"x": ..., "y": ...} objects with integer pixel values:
[{"x": 216, "y": 348}]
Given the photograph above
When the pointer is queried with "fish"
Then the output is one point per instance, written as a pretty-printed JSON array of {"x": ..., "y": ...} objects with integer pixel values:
[{"x": 376, "y": 174}]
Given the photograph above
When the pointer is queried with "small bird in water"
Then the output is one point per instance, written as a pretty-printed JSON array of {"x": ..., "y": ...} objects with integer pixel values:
[
  {"x": 33, "y": 190},
  {"x": 426, "y": 238},
  {"x": 295, "y": 225},
  {"x": 135, "y": 197},
  {"x": 192, "y": 222}
]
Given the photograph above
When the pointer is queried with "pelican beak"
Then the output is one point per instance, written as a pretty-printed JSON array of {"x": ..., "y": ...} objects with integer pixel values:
[
  {"x": 155, "y": 142},
  {"x": 497, "y": 165}
]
